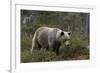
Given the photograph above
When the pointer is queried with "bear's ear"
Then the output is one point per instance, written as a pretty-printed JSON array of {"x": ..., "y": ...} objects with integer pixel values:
[
  {"x": 69, "y": 33},
  {"x": 62, "y": 33}
]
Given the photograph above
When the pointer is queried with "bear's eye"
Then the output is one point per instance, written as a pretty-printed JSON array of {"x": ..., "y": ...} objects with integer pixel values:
[{"x": 65, "y": 40}]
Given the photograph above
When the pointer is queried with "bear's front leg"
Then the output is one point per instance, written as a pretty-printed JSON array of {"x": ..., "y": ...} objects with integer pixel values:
[{"x": 56, "y": 46}]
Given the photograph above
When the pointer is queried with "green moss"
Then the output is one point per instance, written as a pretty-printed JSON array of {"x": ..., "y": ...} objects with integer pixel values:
[{"x": 37, "y": 56}]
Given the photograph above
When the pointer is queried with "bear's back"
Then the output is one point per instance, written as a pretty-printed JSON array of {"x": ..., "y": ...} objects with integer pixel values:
[{"x": 45, "y": 34}]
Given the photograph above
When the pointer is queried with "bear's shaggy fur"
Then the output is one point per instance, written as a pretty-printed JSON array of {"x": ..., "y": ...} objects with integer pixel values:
[{"x": 46, "y": 37}]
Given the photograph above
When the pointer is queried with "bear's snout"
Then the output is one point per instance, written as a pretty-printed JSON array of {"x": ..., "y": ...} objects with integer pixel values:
[{"x": 67, "y": 43}]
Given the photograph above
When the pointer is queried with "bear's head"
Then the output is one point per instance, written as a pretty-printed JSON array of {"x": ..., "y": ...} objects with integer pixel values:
[{"x": 63, "y": 37}]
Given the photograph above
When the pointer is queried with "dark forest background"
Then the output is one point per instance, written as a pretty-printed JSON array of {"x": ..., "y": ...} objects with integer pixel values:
[{"x": 77, "y": 23}]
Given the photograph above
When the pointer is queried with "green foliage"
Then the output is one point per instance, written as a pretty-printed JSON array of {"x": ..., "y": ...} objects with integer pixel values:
[
  {"x": 26, "y": 56},
  {"x": 37, "y": 56},
  {"x": 79, "y": 41},
  {"x": 25, "y": 42}
]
